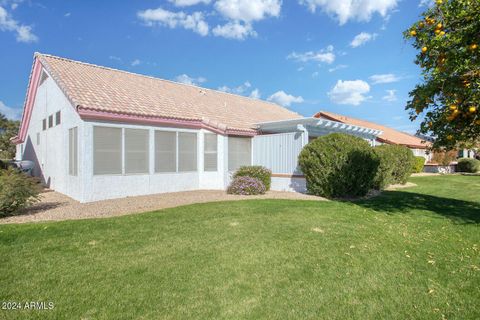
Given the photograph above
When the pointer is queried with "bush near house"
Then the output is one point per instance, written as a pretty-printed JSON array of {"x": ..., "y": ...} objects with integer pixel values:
[
  {"x": 418, "y": 164},
  {"x": 17, "y": 191},
  {"x": 246, "y": 186},
  {"x": 468, "y": 165},
  {"x": 338, "y": 165},
  {"x": 384, "y": 176},
  {"x": 402, "y": 164},
  {"x": 259, "y": 172},
  {"x": 444, "y": 158}
]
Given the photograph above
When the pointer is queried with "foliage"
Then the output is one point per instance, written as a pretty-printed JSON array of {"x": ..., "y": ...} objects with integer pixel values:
[
  {"x": 246, "y": 186},
  {"x": 395, "y": 166},
  {"x": 448, "y": 39},
  {"x": 261, "y": 173},
  {"x": 384, "y": 176},
  {"x": 418, "y": 164},
  {"x": 338, "y": 165},
  {"x": 443, "y": 157},
  {"x": 468, "y": 165},
  {"x": 17, "y": 191},
  {"x": 8, "y": 129}
]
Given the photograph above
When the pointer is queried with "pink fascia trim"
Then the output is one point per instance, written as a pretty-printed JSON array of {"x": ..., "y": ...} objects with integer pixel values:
[
  {"x": 89, "y": 114},
  {"x": 29, "y": 101}
]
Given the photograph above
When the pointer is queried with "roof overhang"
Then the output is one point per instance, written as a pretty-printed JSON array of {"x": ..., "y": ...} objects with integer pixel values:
[{"x": 316, "y": 126}]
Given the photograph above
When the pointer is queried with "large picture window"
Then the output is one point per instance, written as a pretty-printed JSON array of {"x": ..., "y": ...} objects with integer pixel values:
[
  {"x": 165, "y": 151},
  {"x": 73, "y": 151},
  {"x": 239, "y": 152},
  {"x": 107, "y": 150},
  {"x": 187, "y": 151},
  {"x": 210, "y": 152},
  {"x": 136, "y": 151}
]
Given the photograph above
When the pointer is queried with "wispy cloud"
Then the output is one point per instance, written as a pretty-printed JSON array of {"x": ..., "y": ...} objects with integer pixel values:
[
  {"x": 186, "y": 79},
  {"x": 362, "y": 38},
  {"x": 22, "y": 32},
  {"x": 351, "y": 92},
  {"x": 384, "y": 78},
  {"x": 390, "y": 96},
  {"x": 284, "y": 99},
  {"x": 322, "y": 56},
  {"x": 9, "y": 112}
]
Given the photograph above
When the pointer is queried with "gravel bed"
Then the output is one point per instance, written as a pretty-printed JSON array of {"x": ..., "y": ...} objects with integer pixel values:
[{"x": 56, "y": 207}]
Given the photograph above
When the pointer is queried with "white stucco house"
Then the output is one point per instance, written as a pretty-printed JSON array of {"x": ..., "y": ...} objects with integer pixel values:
[{"x": 97, "y": 133}]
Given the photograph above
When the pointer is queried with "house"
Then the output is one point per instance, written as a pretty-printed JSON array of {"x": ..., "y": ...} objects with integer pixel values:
[
  {"x": 389, "y": 135},
  {"x": 98, "y": 133}
]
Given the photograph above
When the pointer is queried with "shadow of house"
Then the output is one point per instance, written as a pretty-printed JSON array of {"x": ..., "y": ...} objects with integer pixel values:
[
  {"x": 398, "y": 202},
  {"x": 30, "y": 154}
]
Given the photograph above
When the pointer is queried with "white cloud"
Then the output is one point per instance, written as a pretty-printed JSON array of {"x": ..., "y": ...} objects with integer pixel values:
[
  {"x": 345, "y": 10},
  {"x": 115, "y": 58},
  {"x": 23, "y": 33},
  {"x": 241, "y": 89},
  {"x": 248, "y": 10},
  {"x": 426, "y": 3},
  {"x": 349, "y": 92},
  {"x": 384, "y": 78},
  {"x": 10, "y": 113},
  {"x": 339, "y": 67},
  {"x": 68, "y": 14},
  {"x": 255, "y": 94},
  {"x": 284, "y": 99},
  {"x": 187, "y": 3},
  {"x": 186, "y": 79},
  {"x": 159, "y": 16},
  {"x": 391, "y": 96},
  {"x": 324, "y": 56},
  {"x": 136, "y": 62},
  {"x": 234, "y": 30},
  {"x": 362, "y": 38}
]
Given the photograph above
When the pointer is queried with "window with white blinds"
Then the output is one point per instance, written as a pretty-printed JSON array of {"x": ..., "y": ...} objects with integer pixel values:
[
  {"x": 210, "y": 152},
  {"x": 107, "y": 150},
  {"x": 165, "y": 151},
  {"x": 73, "y": 151},
  {"x": 136, "y": 151},
  {"x": 187, "y": 152},
  {"x": 239, "y": 152}
]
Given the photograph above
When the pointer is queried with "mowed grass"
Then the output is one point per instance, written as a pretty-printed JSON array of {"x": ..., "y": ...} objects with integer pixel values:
[{"x": 407, "y": 254}]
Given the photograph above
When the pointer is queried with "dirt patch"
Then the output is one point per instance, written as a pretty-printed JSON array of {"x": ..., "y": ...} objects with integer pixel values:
[{"x": 401, "y": 186}]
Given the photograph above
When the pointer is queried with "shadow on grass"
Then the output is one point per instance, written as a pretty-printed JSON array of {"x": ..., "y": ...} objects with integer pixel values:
[{"x": 459, "y": 211}]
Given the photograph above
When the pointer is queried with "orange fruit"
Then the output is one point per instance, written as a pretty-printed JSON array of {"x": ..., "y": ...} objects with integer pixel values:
[
  {"x": 450, "y": 137},
  {"x": 439, "y": 26},
  {"x": 437, "y": 32},
  {"x": 442, "y": 33},
  {"x": 421, "y": 25},
  {"x": 477, "y": 122},
  {"x": 472, "y": 109},
  {"x": 439, "y": 2},
  {"x": 473, "y": 46},
  {"x": 453, "y": 107},
  {"x": 424, "y": 49},
  {"x": 413, "y": 33}
]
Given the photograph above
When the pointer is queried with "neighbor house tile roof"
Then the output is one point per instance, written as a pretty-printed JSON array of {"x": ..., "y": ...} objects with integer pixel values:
[
  {"x": 389, "y": 135},
  {"x": 100, "y": 89}
]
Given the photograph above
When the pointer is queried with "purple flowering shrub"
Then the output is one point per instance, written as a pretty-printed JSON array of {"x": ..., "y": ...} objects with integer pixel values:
[{"x": 246, "y": 186}]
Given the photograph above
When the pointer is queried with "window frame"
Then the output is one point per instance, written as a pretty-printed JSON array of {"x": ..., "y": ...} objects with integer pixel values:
[
  {"x": 44, "y": 124},
  {"x": 50, "y": 121},
  {"x": 229, "y": 150},
  {"x": 122, "y": 152},
  {"x": 205, "y": 151},
  {"x": 147, "y": 156},
  {"x": 73, "y": 152},
  {"x": 195, "y": 151},
  {"x": 175, "y": 134},
  {"x": 58, "y": 118}
]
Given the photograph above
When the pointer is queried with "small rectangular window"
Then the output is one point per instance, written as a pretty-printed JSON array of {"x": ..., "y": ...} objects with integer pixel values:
[
  {"x": 239, "y": 152},
  {"x": 210, "y": 152},
  {"x": 50, "y": 121},
  {"x": 57, "y": 118},
  {"x": 136, "y": 151},
  {"x": 107, "y": 150},
  {"x": 38, "y": 138},
  {"x": 165, "y": 151},
  {"x": 73, "y": 151},
  {"x": 44, "y": 124},
  {"x": 187, "y": 152}
]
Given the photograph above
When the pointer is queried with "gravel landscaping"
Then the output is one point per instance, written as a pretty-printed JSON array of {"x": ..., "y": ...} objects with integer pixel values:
[{"x": 55, "y": 206}]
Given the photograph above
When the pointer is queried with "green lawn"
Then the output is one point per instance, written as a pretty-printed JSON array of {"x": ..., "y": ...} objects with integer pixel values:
[{"x": 407, "y": 254}]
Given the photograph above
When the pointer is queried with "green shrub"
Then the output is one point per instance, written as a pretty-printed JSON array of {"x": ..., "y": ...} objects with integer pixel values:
[
  {"x": 17, "y": 191},
  {"x": 246, "y": 186},
  {"x": 384, "y": 176},
  {"x": 418, "y": 164},
  {"x": 338, "y": 165},
  {"x": 398, "y": 159},
  {"x": 468, "y": 165},
  {"x": 261, "y": 173}
]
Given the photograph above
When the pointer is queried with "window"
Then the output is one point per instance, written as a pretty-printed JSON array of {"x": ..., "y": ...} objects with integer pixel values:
[
  {"x": 57, "y": 118},
  {"x": 210, "y": 152},
  {"x": 73, "y": 151},
  {"x": 50, "y": 121},
  {"x": 38, "y": 138},
  {"x": 107, "y": 150},
  {"x": 187, "y": 151},
  {"x": 44, "y": 124},
  {"x": 136, "y": 151},
  {"x": 165, "y": 151},
  {"x": 239, "y": 152}
]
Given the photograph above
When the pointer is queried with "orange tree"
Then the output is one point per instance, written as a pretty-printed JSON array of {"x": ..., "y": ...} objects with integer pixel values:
[{"x": 447, "y": 38}]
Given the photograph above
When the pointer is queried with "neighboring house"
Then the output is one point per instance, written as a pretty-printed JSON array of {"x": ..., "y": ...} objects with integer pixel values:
[
  {"x": 97, "y": 133},
  {"x": 388, "y": 136}
]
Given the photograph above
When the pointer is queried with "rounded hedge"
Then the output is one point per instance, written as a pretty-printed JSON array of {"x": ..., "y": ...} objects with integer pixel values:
[
  {"x": 468, "y": 165},
  {"x": 396, "y": 163},
  {"x": 261, "y": 173},
  {"x": 418, "y": 164},
  {"x": 338, "y": 165},
  {"x": 246, "y": 186},
  {"x": 384, "y": 176},
  {"x": 17, "y": 191}
]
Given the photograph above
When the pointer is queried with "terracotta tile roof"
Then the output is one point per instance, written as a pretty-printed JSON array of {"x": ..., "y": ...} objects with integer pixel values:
[
  {"x": 389, "y": 135},
  {"x": 96, "y": 88}
]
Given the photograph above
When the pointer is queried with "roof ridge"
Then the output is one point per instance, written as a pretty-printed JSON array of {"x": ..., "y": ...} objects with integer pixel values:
[{"x": 159, "y": 79}]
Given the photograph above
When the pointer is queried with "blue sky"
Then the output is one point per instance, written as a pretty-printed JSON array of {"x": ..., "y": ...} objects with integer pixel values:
[{"x": 344, "y": 56}]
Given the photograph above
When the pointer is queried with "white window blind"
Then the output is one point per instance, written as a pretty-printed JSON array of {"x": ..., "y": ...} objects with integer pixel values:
[
  {"x": 73, "y": 151},
  {"x": 136, "y": 151},
  {"x": 165, "y": 151},
  {"x": 107, "y": 150},
  {"x": 187, "y": 151},
  {"x": 239, "y": 152},
  {"x": 210, "y": 152}
]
